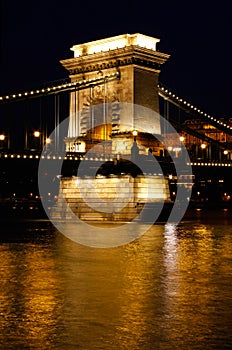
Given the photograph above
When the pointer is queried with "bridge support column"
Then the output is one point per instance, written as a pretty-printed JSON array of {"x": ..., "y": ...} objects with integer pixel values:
[{"x": 135, "y": 63}]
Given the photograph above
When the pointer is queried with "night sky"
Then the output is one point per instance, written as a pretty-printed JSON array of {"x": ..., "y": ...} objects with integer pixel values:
[{"x": 35, "y": 35}]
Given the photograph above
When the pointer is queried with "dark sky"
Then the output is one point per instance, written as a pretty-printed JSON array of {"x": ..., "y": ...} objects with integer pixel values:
[{"x": 35, "y": 35}]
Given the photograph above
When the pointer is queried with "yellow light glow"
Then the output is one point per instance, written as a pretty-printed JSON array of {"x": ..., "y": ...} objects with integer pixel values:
[
  {"x": 48, "y": 140},
  {"x": 203, "y": 145},
  {"x": 181, "y": 138},
  {"x": 114, "y": 43},
  {"x": 36, "y": 133},
  {"x": 134, "y": 132},
  {"x": 2, "y": 137}
]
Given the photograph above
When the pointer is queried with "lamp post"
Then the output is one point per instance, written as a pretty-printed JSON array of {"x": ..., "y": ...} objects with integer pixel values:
[
  {"x": 203, "y": 150},
  {"x": 226, "y": 154},
  {"x": 135, "y": 133},
  {"x": 37, "y": 139},
  {"x": 134, "y": 148},
  {"x": 3, "y": 141}
]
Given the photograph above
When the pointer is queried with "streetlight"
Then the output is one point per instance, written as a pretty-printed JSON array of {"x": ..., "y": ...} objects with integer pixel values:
[
  {"x": 48, "y": 141},
  {"x": 134, "y": 133},
  {"x": 182, "y": 138},
  {"x": 4, "y": 141}
]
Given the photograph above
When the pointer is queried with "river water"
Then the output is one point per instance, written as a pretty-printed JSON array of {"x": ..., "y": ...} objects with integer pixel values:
[{"x": 169, "y": 289}]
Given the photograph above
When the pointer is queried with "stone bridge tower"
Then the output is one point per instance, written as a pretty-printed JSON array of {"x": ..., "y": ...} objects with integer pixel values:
[{"x": 114, "y": 74}]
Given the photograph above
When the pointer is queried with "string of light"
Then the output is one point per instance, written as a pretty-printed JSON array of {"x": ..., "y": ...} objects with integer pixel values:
[
  {"x": 164, "y": 92},
  {"x": 82, "y": 157},
  {"x": 57, "y": 88}
]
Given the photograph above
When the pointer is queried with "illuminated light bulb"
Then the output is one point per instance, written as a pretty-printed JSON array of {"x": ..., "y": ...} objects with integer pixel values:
[
  {"x": 182, "y": 138},
  {"x": 43, "y": 90},
  {"x": 36, "y": 133},
  {"x": 2, "y": 137},
  {"x": 7, "y": 97},
  {"x": 1, "y": 98},
  {"x": 49, "y": 89},
  {"x": 32, "y": 92},
  {"x": 203, "y": 145},
  {"x": 20, "y": 95},
  {"x": 37, "y": 91},
  {"x": 14, "y": 96},
  {"x": 48, "y": 140},
  {"x": 25, "y": 93},
  {"x": 134, "y": 132}
]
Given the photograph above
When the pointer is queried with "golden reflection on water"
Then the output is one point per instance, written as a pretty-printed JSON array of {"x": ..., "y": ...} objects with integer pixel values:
[
  {"x": 169, "y": 289},
  {"x": 29, "y": 307},
  {"x": 136, "y": 292},
  {"x": 195, "y": 299}
]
